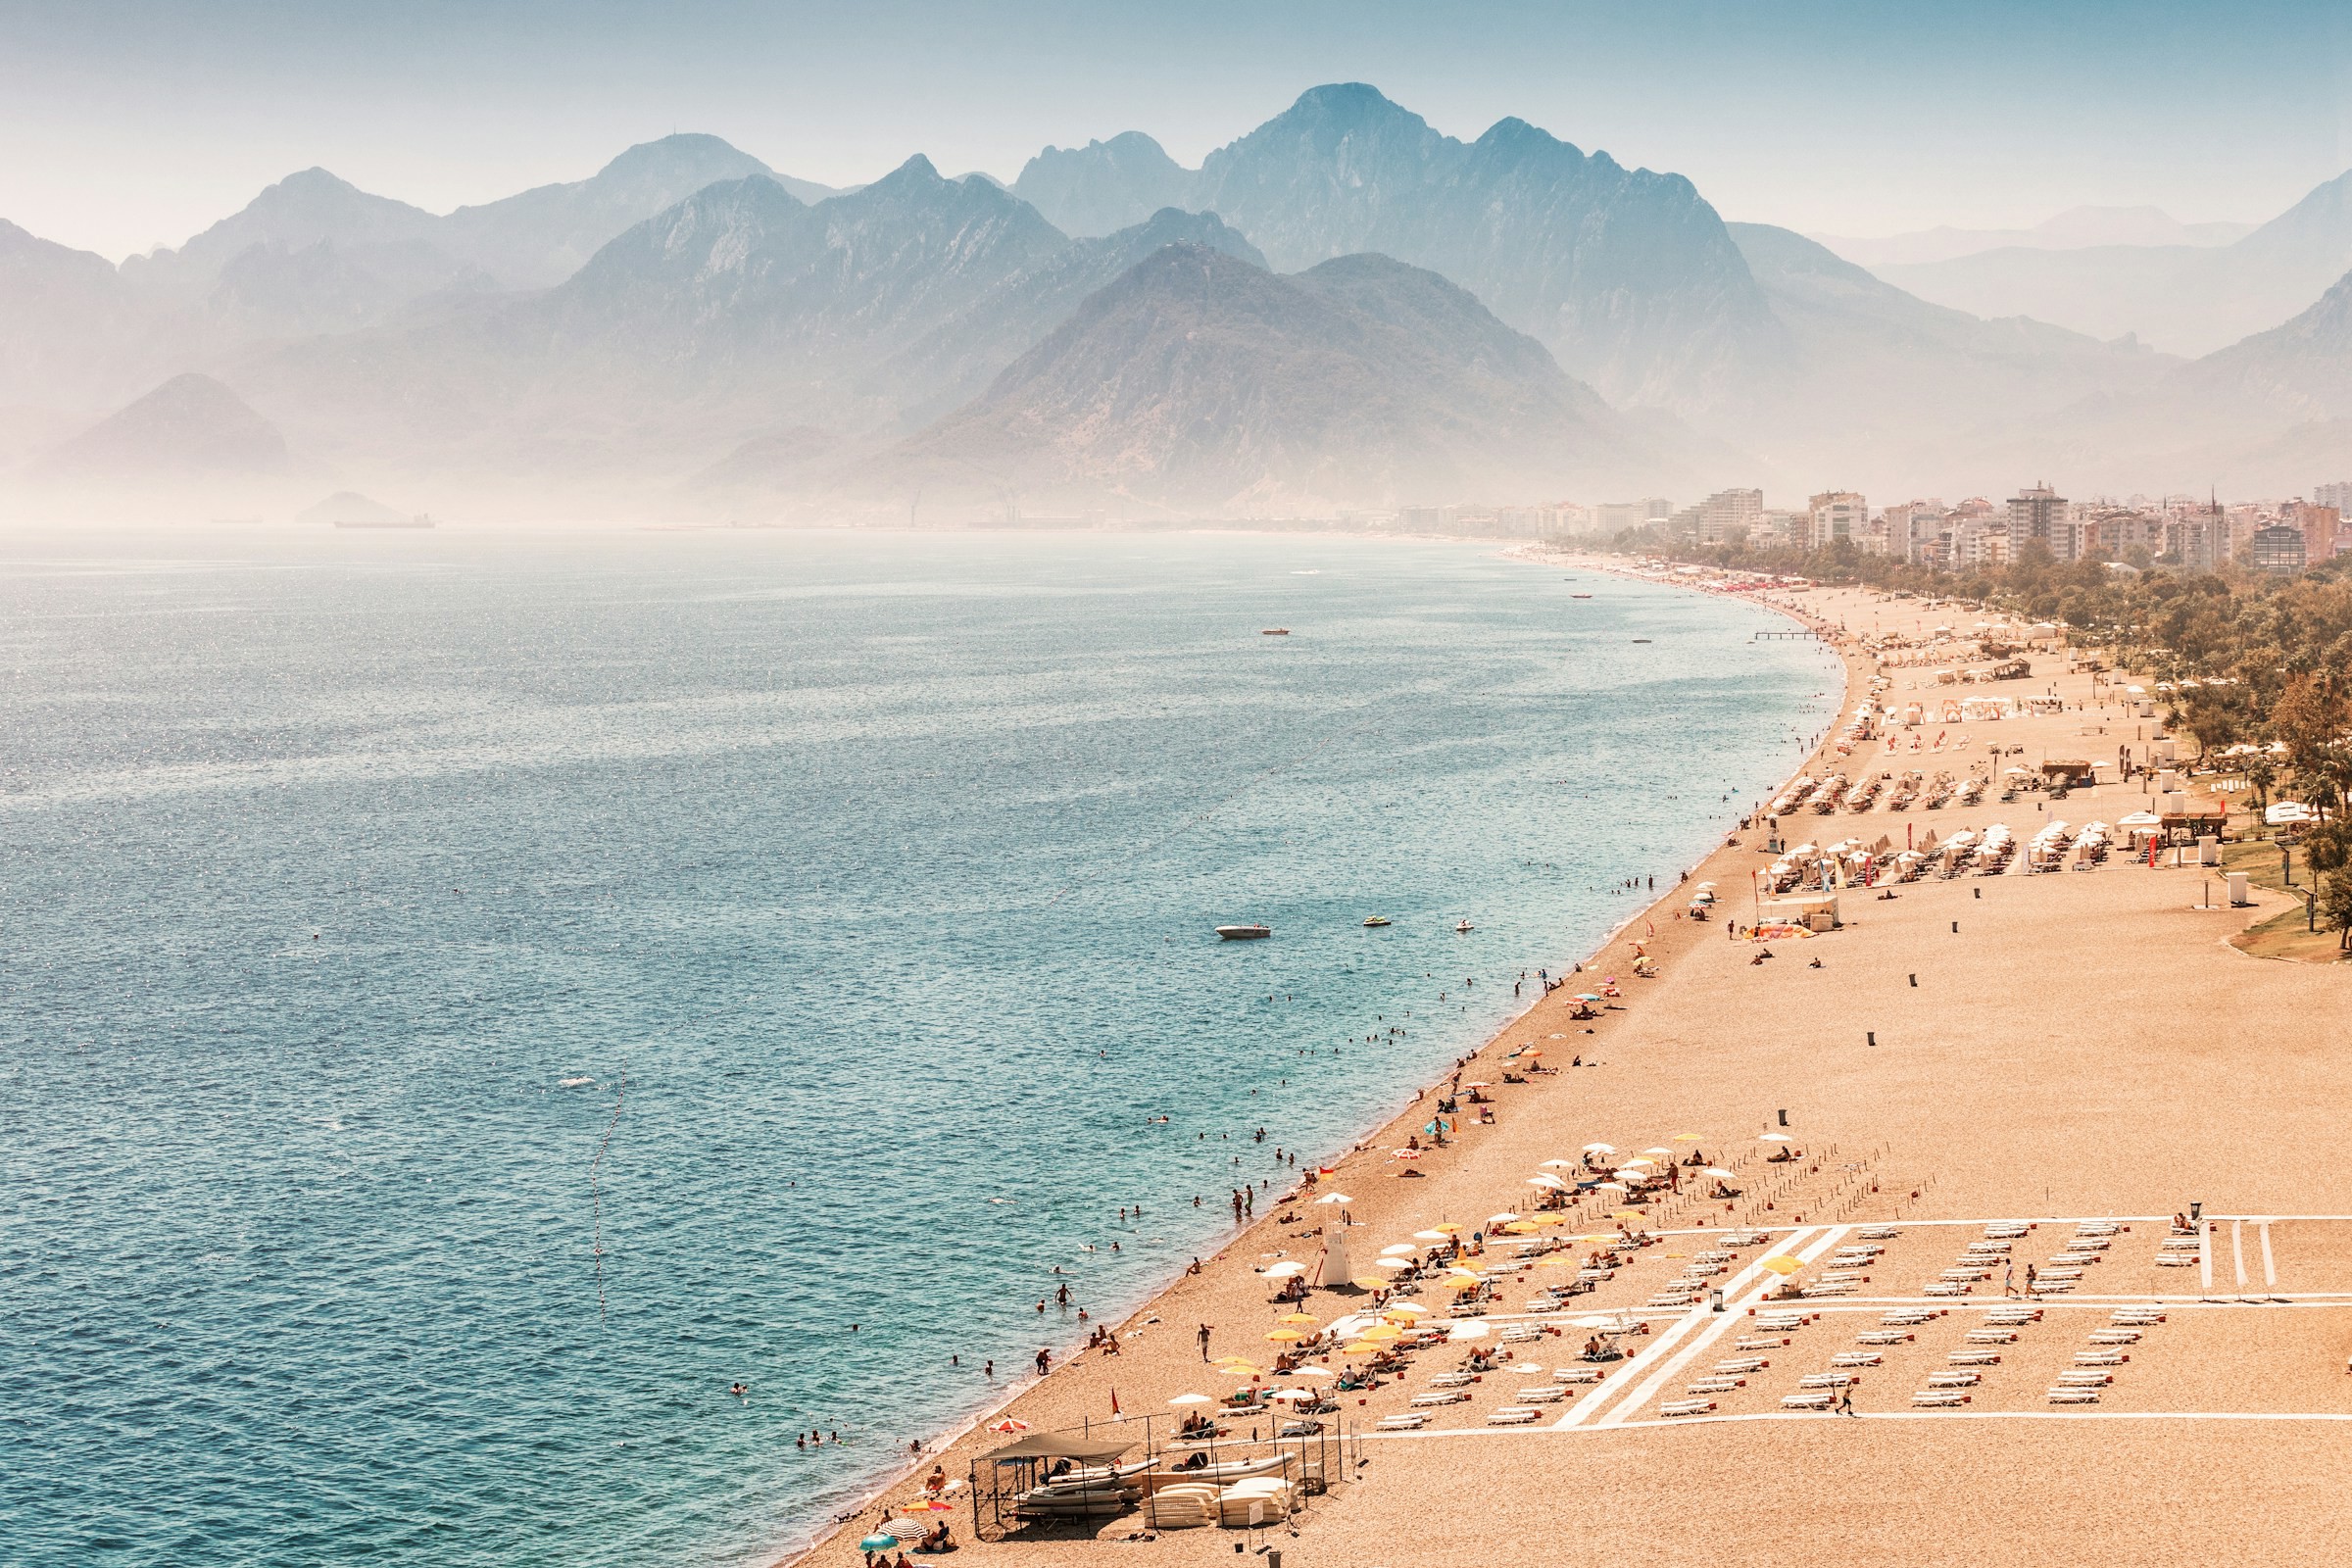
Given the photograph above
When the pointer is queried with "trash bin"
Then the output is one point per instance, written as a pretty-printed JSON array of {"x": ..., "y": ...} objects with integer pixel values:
[
  {"x": 2237, "y": 890},
  {"x": 2209, "y": 851}
]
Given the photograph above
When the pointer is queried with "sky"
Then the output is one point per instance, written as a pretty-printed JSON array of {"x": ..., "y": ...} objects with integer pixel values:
[{"x": 125, "y": 123}]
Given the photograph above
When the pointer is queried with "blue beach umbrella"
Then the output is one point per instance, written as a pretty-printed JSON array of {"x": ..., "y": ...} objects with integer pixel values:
[{"x": 877, "y": 1543}]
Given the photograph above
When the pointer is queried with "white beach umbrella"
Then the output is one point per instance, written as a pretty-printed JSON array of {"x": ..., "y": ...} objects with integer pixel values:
[
  {"x": 1392, "y": 1262},
  {"x": 1313, "y": 1372},
  {"x": 1472, "y": 1330},
  {"x": 1502, "y": 1218},
  {"x": 1335, "y": 1198},
  {"x": 1192, "y": 1399},
  {"x": 1399, "y": 1250},
  {"x": 1431, "y": 1235},
  {"x": 1547, "y": 1180},
  {"x": 1717, "y": 1170},
  {"x": 1608, "y": 1187},
  {"x": 1284, "y": 1270},
  {"x": 1558, "y": 1164},
  {"x": 1773, "y": 1138},
  {"x": 1600, "y": 1148}
]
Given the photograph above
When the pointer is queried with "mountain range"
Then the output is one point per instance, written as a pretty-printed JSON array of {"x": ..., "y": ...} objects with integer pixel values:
[
  {"x": 2184, "y": 298},
  {"x": 1344, "y": 305},
  {"x": 2076, "y": 229}
]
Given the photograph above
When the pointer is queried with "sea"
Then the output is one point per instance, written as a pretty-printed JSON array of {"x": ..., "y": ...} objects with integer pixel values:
[{"x": 470, "y": 999}]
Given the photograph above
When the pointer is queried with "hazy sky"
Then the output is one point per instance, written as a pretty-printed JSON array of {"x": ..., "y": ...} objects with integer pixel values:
[{"x": 125, "y": 122}]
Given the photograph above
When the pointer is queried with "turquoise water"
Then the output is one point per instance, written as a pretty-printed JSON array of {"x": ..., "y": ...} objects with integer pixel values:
[{"x": 851, "y": 893}]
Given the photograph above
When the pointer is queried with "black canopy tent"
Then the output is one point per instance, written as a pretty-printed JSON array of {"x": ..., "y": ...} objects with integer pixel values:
[{"x": 1027, "y": 1454}]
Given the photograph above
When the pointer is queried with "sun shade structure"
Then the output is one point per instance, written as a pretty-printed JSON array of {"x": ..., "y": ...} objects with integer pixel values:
[
  {"x": 1065, "y": 1446},
  {"x": 1784, "y": 1264}
]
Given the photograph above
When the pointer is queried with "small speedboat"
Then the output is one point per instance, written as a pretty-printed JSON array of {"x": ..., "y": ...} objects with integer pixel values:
[
  {"x": 1275, "y": 632},
  {"x": 1462, "y": 928},
  {"x": 1244, "y": 933},
  {"x": 1376, "y": 919},
  {"x": 1640, "y": 639}
]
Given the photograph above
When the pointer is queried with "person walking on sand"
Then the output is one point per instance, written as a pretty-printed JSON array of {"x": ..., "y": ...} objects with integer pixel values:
[
  {"x": 1846, "y": 1405},
  {"x": 1203, "y": 1336}
]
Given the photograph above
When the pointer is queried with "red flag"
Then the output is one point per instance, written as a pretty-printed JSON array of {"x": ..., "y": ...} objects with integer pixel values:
[{"x": 1114, "y": 1401}]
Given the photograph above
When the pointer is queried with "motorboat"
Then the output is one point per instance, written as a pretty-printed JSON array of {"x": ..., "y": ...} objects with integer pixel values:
[
  {"x": 1376, "y": 919},
  {"x": 1244, "y": 933},
  {"x": 1462, "y": 928}
]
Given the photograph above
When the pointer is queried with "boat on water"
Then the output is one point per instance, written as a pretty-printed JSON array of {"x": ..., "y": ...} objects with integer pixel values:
[
  {"x": 1579, "y": 596},
  {"x": 1462, "y": 928},
  {"x": 1640, "y": 639},
  {"x": 1244, "y": 933},
  {"x": 1376, "y": 919},
  {"x": 1275, "y": 632}
]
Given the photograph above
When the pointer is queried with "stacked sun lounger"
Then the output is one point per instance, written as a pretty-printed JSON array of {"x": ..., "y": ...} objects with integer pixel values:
[
  {"x": 1938, "y": 1398},
  {"x": 2004, "y": 1231},
  {"x": 1783, "y": 1322},
  {"x": 1430, "y": 1401},
  {"x": 1579, "y": 1374},
  {"x": 2136, "y": 1316},
  {"x": 1974, "y": 1359},
  {"x": 1736, "y": 1365},
  {"x": 1908, "y": 1316},
  {"x": 1400, "y": 1423},
  {"x": 2013, "y": 1318},
  {"x": 1856, "y": 1358},
  {"x": 1674, "y": 1407},
  {"x": 1714, "y": 1384},
  {"x": 1514, "y": 1415},
  {"x": 1883, "y": 1336},
  {"x": 1820, "y": 1400}
]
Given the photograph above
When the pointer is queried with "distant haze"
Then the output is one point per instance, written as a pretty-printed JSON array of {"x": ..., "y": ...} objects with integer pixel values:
[{"x": 130, "y": 122}]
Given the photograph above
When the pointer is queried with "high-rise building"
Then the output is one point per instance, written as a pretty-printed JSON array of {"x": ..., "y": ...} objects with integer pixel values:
[
  {"x": 2040, "y": 515},
  {"x": 2337, "y": 495},
  {"x": 1728, "y": 516},
  {"x": 1839, "y": 515},
  {"x": 1914, "y": 531},
  {"x": 2320, "y": 523},
  {"x": 2277, "y": 547}
]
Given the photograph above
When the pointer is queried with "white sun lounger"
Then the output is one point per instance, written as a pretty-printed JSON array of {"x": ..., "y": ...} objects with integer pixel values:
[
  {"x": 1992, "y": 1335},
  {"x": 2095, "y": 1227},
  {"x": 2089, "y": 1378},
  {"x": 2115, "y": 1335},
  {"x": 1809, "y": 1402},
  {"x": 1955, "y": 1380},
  {"x": 1879, "y": 1233},
  {"x": 1686, "y": 1407},
  {"x": 2136, "y": 1316},
  {"x": 1400, "y": 1423},
  {"x": 2089, "y": 1243},
  {"x": 1856, "y": 1358},
  {"x": 1741, "y": 1363},
  {"x": 1716, "y": 1384},
  {"x": 1777, "y": 1341},
  {"x": 2054, "y": 1287},
  {"x": 1542, "y": 1393},
  {"x": 1783, "y": 1322},
  {"x": 2011, "y": 1317},
  {"x": 1974, "y": 1359},
  {"x": 2004, "y": 1232},
  {"x": 1907, "y": 1317},
  {"x": 2175, "y": 1259},
  {"x": 1829, "y": 1288},
  {"x": 1826, "y": 1380},
  {"x": 1451, "y": 1380},
  {"x": 2074, "y": 1395},
  {"x": 1943, "y": 1288},
  {"x": 1939, "y": 1399},
  {"x": 2100, "y": 1358},
  {"x": 1514, "y": 1415},
  {"x": 1430, "y": 1401},
  {"x": 1970, "y": 1275},
  {"x": 1883, "y": 1336},
  {"x": 1580, "y": 1374}
]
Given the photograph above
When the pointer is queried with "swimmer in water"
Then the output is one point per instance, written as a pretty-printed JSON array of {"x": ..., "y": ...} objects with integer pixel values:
[{"x": 739, "y": 1390}]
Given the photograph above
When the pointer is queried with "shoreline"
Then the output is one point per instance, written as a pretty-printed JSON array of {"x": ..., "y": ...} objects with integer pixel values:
[{"x": 1377, "y": 1132}]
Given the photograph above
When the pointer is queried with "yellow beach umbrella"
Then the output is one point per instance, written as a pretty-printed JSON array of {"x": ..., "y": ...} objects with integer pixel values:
[
  {"x": 1381, "y": 1331},
  {"x": 1523, "y": 1227},
  {"x": 1359, "y": 1348},
  {"x": 1626, "y": 1213},
  {"x": 1285, "y": 1336},
  {"x": 1369, "y": 1281},
  {"x": 1303, "y": 1319},
  {"x": 1450, "y": 1228},
  {"x": 1784, "y": 1264},
  {"x": 1686, "y": 1138}
]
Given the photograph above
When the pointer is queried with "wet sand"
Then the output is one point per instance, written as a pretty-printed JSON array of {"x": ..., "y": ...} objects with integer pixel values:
[{"x": 2084, "y": 1043}]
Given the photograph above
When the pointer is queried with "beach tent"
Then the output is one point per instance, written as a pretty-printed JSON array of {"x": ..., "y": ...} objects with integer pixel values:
[{"x": 1336, "y": 1267}]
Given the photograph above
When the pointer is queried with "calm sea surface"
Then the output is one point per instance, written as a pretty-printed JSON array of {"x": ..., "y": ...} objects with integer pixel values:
[{"x": 850, "y": 892}]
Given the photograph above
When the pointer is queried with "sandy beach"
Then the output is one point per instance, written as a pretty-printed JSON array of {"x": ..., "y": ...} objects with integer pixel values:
[{"x": 2008, "y": 1051}]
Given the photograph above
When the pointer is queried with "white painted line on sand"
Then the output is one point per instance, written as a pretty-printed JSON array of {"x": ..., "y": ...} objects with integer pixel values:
[
  {"x": 2270, "y": 1268},
  {"x": 1737, "y": 1314},
  {"x": 1651, "y": 1355}
]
